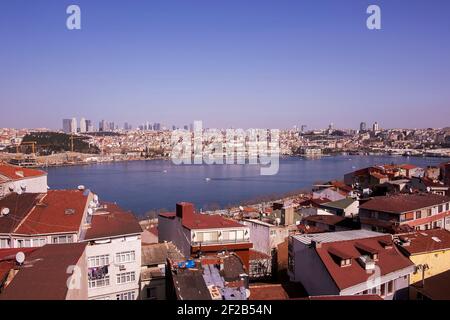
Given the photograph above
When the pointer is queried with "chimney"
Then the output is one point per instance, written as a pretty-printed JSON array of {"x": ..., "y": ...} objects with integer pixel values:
[{"x": 185, "y": 210}]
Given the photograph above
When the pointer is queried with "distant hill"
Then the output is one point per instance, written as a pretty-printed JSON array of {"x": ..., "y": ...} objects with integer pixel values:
[{"x": 56, "y": 142}]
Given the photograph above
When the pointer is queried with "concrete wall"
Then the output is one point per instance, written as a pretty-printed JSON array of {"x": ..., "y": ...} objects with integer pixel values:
[
  {"x": 32, "y": 185},
  {"x": 438, "y": 262},
  {"x": 310, "y": 271},
  {"x": 120, "y": 244}
]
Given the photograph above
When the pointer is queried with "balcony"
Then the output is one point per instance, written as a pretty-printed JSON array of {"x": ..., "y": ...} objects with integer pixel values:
[{"x": 218, "y": 242}]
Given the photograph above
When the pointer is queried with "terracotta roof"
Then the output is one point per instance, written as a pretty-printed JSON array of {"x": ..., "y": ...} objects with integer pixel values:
[
  {"x": 18, "y": 173},
  {"x": 389, "y": 260},
  {"x": 168, "y": 215},
  {"x": 408, "y": 166},
  {"x": 268, "y": 292},
  {"x": 206, "y": 221},
  {"x": 19, "y": 206},
  {"x": 404, "y": 202},
  {"x": 427, "y": 241},
  {"x": 45, "y": 276},
  {"x": 112, "y": 222},
  {"x": 58, "y": 211}
]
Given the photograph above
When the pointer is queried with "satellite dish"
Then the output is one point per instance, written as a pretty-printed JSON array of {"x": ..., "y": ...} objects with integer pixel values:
[
  {"x": 81, "y": 187},
  {"x": 241, "y": 208},
  {"x": 5, "y": 211},
  {"x": 20, "y": 257},
  {"x": 247, "y": 293}
]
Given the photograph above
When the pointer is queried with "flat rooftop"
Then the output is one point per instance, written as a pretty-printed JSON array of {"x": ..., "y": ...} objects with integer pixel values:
[{"x": 336, "y": 236}]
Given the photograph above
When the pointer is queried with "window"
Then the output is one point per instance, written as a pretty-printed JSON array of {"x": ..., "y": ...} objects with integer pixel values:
[
  {"x": 440, "y": 208},
  {"x": 383, "y": 290},
  {"x": 447, "y": 207},
  {"x": 124, "y": 257},
  {"x": 126, "y": 296},
  {"x": 390, "y": 287},
  {"x": 62, "y": 239},
  {"x": 27, "y": 243},
  {"x": 39, "y": 242},
  {"x": 98, "y": 261},
  {"x": 346, "y": 262},
  {"x": 429, "y": 212},
  {"x": 98, "y": 283},
  {"x": 5, "y": 243},
  {"x": 418, "y": 214},
  {"x": 126, "y": 277}
]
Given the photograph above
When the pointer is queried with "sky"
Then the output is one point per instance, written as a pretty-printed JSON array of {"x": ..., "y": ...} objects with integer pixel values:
[{"x": 229, "y": 63}]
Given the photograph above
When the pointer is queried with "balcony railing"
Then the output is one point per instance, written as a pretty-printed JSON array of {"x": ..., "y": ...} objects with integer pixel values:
[{"x": 218, "y": 242}]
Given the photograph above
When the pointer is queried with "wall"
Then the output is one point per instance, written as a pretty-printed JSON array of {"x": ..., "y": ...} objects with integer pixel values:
[
  {"x": 119, "y": 244},
  {"x": 438, "y": 262},
  {"x": 80, "y": 289}
]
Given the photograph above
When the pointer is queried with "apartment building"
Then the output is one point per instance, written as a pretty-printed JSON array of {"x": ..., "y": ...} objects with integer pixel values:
[
  {"x": 21, "y": 180},
  {"x": 348, "y": 263},
  {"x": 421, "y": 211},
  {"x": 113, "y": 236},
  {"x": 195, "y": 234},
  {"x": 51, "y": 272}
]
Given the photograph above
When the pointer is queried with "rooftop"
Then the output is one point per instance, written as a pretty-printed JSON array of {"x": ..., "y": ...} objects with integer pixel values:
[
  {"x": 58, "y": 211},
  {"x": 336, "y": 236},
  {"x": 389, "y": 259},
  {"x": 111, "y": 221},
  {"x": 404, "y": 202},
  {"x": 19, "y": 205},
  {"x": 426, "y": 241},
  {"x": 436, "y": 287},
  {"x": 11, "y": 172},
  {"x": 339, "y": 204},
  {"x": 44, "y": 274}
]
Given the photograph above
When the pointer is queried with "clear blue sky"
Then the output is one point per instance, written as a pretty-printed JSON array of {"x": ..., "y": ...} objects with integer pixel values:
[{"x": 240, "y": 63}]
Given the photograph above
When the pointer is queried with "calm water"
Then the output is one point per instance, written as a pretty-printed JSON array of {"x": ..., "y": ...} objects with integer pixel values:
[{"x": 141, "y": 186}]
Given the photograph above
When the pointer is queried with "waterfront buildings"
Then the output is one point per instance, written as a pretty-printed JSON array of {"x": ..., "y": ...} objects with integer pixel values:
[
  {"x": 345, "y": 263},
  {"x": 420, "y": 211}
]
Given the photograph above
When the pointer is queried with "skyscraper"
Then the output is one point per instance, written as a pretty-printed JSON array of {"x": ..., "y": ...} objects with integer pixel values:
[
  {"x": 74, "y": 126},
  {"x": 83, "y": 128},
  {"x": 103, "y": 126},
  {"x": 89, "y": 126},
  {"x": 67, "y": 123},
  {"x": 376, "y": 127},
  {"x": 362, "y": 127}
]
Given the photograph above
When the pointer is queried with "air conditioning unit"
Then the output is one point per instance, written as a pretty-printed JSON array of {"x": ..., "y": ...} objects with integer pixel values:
[{"x": 367, "y": 263}]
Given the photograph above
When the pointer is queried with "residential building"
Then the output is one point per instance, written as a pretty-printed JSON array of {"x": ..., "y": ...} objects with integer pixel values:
[
  {"x": 420, "y": 211},
  {"x": 52, "y": 272},
  {"x": 113, "y": 253},
  {"x": 153, "y": 269},
  {"x": 212, "y": 277},
  {"x": 113, "y": 236},
  {"x": 347, "y": 207},
  {"x": 21, "y": 180},
  {"x": 347, "y": 263},
  {"x": 428, "y": 250},
  {"x": 427, "y": 185},
  {"x": 329, "y": 223},
  {"x": 194, "y": 233}
]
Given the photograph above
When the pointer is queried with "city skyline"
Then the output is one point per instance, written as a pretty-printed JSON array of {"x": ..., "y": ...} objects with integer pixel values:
[{"x": 231, "y": 64}]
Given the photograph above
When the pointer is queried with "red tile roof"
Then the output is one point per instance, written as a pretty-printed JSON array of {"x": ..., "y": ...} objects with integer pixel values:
[
  {"x": 404, "y": 202},
  {"x": 268, "y": 292},
  {"x": 45, "y": 276},
  {"x": 389, "y": 260},
  {"x": 59, "y": 211},
  {"x": 114, "y": 221},
  {"x": 354, "y": 297},
  {"x": 427, "y": 241},
  {"x": 19, "y": 173},
  {"x": 19, "y": 206},
  {"x": 256, "y": 255}
]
